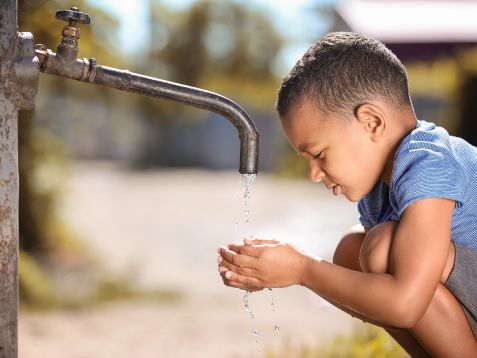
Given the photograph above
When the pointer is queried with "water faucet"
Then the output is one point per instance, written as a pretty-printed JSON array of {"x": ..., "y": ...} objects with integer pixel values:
[{"x": 65, "y": 63}]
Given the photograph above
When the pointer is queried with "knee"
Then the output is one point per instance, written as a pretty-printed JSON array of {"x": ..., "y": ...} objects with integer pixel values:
[
  {"x": 374, "y": 253},
  {"x": 347, "y": 251}
]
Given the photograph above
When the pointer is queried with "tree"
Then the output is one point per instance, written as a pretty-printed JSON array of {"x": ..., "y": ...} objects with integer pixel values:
[
  {"x": 221, "y": 46},
  {"x": 40, "y": 229}
]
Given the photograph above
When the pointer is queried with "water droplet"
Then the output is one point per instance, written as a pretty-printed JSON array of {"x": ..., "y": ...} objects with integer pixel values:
[
  {"x": 246, "y": 304},
  {"x": 255, "y": 333},
  {"x": 277, "y": 328}
]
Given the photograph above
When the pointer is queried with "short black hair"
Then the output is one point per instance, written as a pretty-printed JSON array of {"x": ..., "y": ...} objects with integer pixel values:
[{"x": 342, "y": 71}]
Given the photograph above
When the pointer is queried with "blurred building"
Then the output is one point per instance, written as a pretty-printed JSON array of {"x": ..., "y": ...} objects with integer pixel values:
[{"x": 421, "y": 30}]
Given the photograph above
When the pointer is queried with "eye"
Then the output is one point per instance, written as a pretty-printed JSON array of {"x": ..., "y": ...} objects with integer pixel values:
[{"x": 318, "y": 155}]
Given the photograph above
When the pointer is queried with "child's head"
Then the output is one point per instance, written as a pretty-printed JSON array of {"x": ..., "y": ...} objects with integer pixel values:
[{"x": 339, "y": 105}]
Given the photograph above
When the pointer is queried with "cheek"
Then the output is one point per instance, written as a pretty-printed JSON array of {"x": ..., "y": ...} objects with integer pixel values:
[
  {"x": 360, "y": 170},
  {"x": 371, "y": 170}
]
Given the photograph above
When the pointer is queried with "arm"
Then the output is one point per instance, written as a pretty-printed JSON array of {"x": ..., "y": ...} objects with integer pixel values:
[{"x": 398, "y": 298}]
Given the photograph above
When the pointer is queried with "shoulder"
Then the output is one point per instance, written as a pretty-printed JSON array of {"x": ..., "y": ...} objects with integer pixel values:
[
  {"x": 426, "y": 137},
  {"x": 426, "y": 165},
  {"x": 427, "y": 145}
]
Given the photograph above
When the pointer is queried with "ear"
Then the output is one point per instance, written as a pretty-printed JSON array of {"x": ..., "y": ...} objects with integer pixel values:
[{"x": 373, "y": 119}]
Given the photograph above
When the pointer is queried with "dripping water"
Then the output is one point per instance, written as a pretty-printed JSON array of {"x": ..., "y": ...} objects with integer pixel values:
[
  {"x": 246, "y": 181},
  {"x": 276, "y": 327}
]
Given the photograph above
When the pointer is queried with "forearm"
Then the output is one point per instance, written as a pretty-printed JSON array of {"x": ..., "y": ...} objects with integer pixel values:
[
  {"x": 358, "y": 316},
  {"x": 378, "y": 298}
]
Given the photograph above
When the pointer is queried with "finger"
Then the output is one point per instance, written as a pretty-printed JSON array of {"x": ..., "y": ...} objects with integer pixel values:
[
  {"x": 243, "y": 287},
  {"x": 235, "y": 247},
  {"x": 243, "y": 251},
  {"x": 227, "y": 266},
  {"x": 244, "y": 280},
  {"x": 248, "y": 241},
  {"x": 238, "y": 260},
  {"x": 222, "y": 269},
  {"x": 239, "y": 285}
]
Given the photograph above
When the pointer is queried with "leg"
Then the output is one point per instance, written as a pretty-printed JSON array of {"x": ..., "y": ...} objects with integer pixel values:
[
  {"x": 347, "y": 254},
  {"x": 444, "y": 320}
]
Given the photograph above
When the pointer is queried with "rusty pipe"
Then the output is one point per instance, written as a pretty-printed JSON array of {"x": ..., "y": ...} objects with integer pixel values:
[{"x": 87, "y": 70}]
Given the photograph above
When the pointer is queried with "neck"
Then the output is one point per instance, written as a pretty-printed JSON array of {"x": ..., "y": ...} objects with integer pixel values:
[{"x": 407, "y": 125}]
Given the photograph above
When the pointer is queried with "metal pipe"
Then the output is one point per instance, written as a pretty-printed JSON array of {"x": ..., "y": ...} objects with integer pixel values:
[
  {"x": 86, "y": 70},
  {"x": 9, "y": 106}
]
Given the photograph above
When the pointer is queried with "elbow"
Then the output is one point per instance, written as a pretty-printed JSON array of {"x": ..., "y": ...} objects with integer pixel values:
[
  {"x": 407, "y": 311},
  {"x": 406, "y": 320}
]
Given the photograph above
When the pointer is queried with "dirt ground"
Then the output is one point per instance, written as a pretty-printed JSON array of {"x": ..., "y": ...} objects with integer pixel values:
[{"x": 163, "y": 227}]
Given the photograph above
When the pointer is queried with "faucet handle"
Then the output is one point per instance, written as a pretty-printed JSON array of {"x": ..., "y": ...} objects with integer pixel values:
[
  {"x": 67, "y": 49},
  {"x": 73, "y": 16}
]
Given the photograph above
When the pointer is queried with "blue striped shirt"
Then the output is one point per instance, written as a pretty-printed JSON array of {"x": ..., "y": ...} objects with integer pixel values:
[{"x": 429, "y": 163}]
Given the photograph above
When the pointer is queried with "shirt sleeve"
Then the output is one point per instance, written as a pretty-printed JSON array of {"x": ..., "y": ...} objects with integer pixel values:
[
  {"x": 427, "y": 173},
  {"x": 363, "y": 214},
  {"x": 370, "y": 207}
]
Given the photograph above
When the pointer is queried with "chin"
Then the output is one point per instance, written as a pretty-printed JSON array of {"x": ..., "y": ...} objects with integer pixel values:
[{"x": 353, "y": 197}]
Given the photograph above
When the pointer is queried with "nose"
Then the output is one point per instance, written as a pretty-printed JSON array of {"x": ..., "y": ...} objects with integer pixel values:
[{"x": 316, "y": 173}]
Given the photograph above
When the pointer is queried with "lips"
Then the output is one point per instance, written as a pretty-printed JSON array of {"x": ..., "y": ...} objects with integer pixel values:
[{"x": 336, "y": 190}]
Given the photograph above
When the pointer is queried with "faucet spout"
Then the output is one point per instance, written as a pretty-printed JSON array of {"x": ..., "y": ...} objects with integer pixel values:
[
  {"x": 65, "y": 63},
  {"x": 192, "y": 96},
  {"x": 87, "y": 71}
]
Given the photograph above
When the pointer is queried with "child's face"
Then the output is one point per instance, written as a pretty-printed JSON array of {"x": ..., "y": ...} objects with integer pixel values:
[{"x": 340, "y": 152}]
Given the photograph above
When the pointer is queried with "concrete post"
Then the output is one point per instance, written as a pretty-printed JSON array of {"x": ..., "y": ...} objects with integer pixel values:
[{"x": 18, "y": 82}]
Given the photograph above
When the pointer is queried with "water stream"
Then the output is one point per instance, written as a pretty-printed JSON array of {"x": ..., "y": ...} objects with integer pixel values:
[{"x": 246, "y": 180}]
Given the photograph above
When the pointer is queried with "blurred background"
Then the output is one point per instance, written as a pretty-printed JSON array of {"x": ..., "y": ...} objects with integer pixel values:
[{"x": 124, "y": 199}]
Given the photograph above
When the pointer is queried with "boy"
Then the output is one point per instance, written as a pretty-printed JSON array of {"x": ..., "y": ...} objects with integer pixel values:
[{"x": 412, "y": 265}]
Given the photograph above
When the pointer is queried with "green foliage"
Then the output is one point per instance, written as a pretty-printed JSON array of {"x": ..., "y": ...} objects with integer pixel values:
[
  {"x": 42, "y": 171},
  {"x": 36, "y": 286},
  {"x": 370, "y": 342},
  {"x": 40, "y": 290},
  {"x": 42, "y": 156},
  {"x": 444, "y": 79},
  {"x": 213, "y": 38},
  {"x": 222, "y": 46},
  {"x": 292, "y": 166},
  {"x": 108, "y": 290},
  {"x": 38, "y": 17}
]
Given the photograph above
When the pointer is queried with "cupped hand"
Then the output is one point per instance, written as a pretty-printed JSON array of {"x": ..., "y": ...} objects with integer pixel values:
[{"x": 261, "y": 263}]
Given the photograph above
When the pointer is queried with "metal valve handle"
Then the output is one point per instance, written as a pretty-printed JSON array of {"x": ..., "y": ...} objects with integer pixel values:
[
  {"x": 73, "y": 15},
  {"x": 67, "y": 49}
]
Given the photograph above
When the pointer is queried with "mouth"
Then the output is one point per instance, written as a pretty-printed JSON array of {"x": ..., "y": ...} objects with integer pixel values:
[{"x": 336, "y": 189}]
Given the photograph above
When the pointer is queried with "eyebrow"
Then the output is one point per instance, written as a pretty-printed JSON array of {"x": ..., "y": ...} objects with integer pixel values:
[{"x": 303, "y": 147}]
